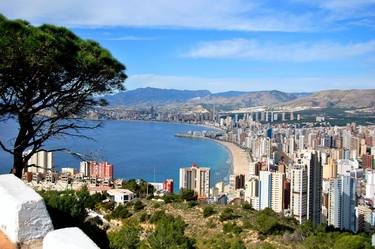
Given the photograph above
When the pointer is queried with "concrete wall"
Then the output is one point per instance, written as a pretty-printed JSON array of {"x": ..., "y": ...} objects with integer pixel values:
[
  {"x": 23, "y": 214},
  {"x": 24, "y": 220}
]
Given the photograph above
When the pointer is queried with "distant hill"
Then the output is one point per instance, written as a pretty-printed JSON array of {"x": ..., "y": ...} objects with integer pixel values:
[
  {"x": 144, "y": 98},
  {"x": 147, "y": 97},
  {"x": 187, "y": 100},
  {"x": 337, "y": 99}
]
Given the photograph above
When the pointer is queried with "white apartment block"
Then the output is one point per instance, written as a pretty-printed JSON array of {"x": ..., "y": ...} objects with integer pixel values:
[
  {"x": 42, "y": 162},
  {"x": 197, "y": 179}
]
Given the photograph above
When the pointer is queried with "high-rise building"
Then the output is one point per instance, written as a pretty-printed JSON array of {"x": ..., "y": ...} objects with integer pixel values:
[
  {"x": 168, "y": 185},
  {"x": 306, "y": 188},
  {"x": 196, "y": 178},
  {"x": 277, "y": 191},
  {"x": 84, "y": 168},
  {"x": 342, "y": 202},
  {"x": 40, "y": 162},
  {"x": 103, "y": 170},
  {"x": 314, "y": 194},
  {"x": 264, "y": 189},
  {"x": 298, "y": 192}
]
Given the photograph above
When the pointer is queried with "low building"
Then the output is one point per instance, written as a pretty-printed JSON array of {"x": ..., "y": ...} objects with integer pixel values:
[{"x": 120, "y": 196}]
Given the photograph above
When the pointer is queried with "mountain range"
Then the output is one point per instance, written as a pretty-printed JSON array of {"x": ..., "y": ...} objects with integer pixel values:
[{"x": 172, "y": 99}]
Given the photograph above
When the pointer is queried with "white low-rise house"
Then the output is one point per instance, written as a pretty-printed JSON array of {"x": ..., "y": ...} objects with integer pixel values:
[{"x": 120, "y": 196}]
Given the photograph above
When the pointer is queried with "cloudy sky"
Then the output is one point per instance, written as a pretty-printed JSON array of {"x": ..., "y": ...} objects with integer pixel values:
[{"x": 221, "y": 45}]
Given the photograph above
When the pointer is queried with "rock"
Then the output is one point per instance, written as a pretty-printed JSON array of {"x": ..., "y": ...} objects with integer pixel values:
[
  {"x": 68, "y": 238},
  {"x": 23, "y": 214}
]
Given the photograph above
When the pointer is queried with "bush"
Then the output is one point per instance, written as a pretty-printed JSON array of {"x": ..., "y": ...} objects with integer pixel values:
[
  {"x": 156, "y": 205},
  {"x": 231, "y": 228},
  {"x": 246, "y": 206},
  {"x": 188, "y": 195},
  {"x": 352, "y": 242},
  {"x": 138, "y": 205},
  {"x": 120, "y": 212},
  {"x": 126, "y": 238},
  {"x": 169, "y": 233},
  {"x": 144, "y": 217},
  {"x": 192, "y": 204},
  {"x": 170, "y": 198},
  {"x": 227, "y": 214},
  {"x": 208, "y": 211}
]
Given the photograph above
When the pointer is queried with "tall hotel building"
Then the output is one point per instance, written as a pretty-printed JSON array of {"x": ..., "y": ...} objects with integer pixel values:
[
  {"x": 342, "y": 203},
  {"x": 298, "y": 196},
  {"x": 196, "y": 178},
  {"x": 306, "y": 188},
  {"x": 102, "y": 170},
  {"x": 271, "y": 190},
  {"x": 41, "y": 161}
]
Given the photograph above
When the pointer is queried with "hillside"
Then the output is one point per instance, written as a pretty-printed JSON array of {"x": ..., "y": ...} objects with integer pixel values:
[
  {"x": 337, "y": 99},
  {"x": 147, "y": 97},
  {"x": 171, "y": 99}
]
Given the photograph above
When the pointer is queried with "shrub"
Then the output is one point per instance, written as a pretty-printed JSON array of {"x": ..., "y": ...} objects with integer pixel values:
[
  {"x": 126, "y": 238},
  {"x": 138, "y": 205},
  {"x": 120, "y": 212},
  {"x": 188, "y": 195},
  {"x": 246, "y": 206},
  {"x": 192, "y": 204},
  {"x": 156, "y": 205},
  {"x": 227, "y": 214},
  {"x": 208, "y": 211},
  {"x": 169, "y": 233},
  {"x": 231, "y": 228}
]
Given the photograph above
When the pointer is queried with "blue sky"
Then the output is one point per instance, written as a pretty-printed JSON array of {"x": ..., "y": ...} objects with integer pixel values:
[{"x": 221, "y": 45}]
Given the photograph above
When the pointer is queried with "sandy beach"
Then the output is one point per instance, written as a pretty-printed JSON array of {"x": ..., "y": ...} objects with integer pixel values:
[{"x": 240, "y": 159}]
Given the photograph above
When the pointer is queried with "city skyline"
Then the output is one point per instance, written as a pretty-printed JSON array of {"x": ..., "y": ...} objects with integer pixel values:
[{"x": 233, "y": 45}]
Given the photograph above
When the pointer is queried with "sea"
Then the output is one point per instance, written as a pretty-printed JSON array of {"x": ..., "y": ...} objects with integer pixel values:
[{"x": 137, "y": 149}]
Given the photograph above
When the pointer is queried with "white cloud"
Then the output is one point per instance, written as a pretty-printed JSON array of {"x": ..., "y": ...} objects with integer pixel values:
[
  {"x": 291, "y": 84},
  {"x": 130, "y": 38},
  {"x": 268, "y": 51},
  {"x": 240, "y": 15}
]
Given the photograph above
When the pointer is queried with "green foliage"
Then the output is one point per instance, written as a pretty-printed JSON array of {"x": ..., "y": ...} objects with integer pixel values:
[
  {"x": 138, "y": 205},
  {"x": 352, "y": 242},
  {"x": 224, "y": 242},
  {"x": 169, "y": 233},
  {"x": 120, "y": 212},
  {"x": 208, "y": 211},
  {"x": 268, "y": 222},
  {"x": 169, "y": 198},
  {"x": 157, "y": 216},
  {"x": 231, "y": 228},
  {"x": 140, "y": 189},
  {"x": 227, "y": 214},
  {"x": 246, "y": 206},
  {"x": 68, "y": 209},
  {"x": 192, "y": 204},
  {"x": 143, "y": 217},
  {"x": 126, "y": 238},
  {"x": 156, "y": 205},
  {"x": 188, "y": 195}
]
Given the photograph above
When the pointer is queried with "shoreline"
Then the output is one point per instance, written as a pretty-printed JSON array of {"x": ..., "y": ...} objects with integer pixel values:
[{"x": 240, "y": 159}]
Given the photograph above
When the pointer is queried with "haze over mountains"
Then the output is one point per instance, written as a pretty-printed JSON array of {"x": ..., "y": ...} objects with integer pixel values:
[{"x": 172, "y": 99}]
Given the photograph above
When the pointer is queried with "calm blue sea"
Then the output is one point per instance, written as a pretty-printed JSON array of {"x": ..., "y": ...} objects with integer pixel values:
[{"x": 136, "y": 149}]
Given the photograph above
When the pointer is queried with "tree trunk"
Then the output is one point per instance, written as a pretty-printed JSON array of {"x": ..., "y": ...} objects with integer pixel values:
[{"x": 18, "y": 164}]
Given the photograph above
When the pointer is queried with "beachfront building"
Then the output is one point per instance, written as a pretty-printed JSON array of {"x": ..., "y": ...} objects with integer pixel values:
[
  {"x": 196, "y": 178},
  {"x": 103, "y": 170},
  {"x": 40, "y": 162}
]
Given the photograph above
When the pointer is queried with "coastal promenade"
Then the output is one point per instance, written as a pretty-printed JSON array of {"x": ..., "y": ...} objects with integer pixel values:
[{"x": 240, "y": 158}]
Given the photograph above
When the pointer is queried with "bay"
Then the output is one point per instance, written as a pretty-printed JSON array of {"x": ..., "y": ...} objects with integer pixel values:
[{"x": 137, "y": 149}]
